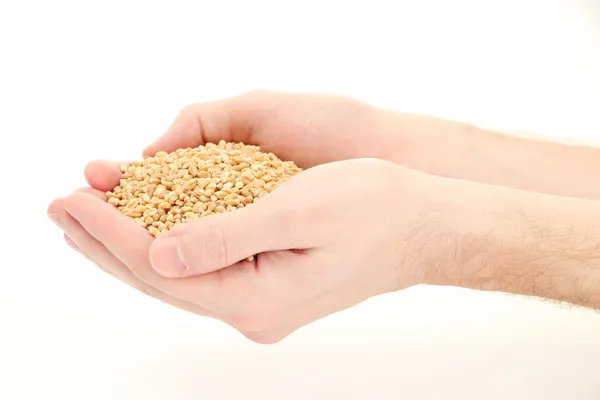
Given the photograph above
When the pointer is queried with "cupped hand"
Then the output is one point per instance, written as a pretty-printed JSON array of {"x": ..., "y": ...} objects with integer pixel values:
[
  {"x": 309, "y": 129},
  {"x": 331, "y": 237}
]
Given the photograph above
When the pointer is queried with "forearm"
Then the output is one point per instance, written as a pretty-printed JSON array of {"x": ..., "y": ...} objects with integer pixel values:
[
  {"x": 525, "y": 243},
  {"x": 458, "y": 150}
]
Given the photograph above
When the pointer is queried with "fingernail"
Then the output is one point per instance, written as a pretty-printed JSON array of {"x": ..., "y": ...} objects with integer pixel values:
[
  {"x": 165, "y": 257},
  {"x": 56, "y": 219}
]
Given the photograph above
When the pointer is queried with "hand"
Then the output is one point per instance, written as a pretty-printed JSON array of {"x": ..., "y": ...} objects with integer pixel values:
[
  {"x": 310, "y": 129},
  {"x": 329, "y": 238}
]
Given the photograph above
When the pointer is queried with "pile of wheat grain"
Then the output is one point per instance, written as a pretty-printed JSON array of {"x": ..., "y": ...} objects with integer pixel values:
[{"x": 173, "y": 188}]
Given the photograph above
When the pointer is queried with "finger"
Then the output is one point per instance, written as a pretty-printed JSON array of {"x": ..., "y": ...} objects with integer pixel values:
[
  {"x": 95, "y": 192},
  {"x": 82, "y": 242},
  {"x": 89, "y": 246},
  {"x": 118, "y": 270},
  {"x": 130, "y": 243},
  {"x": 72, "y": 244},
  {"x": 219, "y": 241},
  {"x": 229, "y": 119},
  {"x": 103, "y": 175}
]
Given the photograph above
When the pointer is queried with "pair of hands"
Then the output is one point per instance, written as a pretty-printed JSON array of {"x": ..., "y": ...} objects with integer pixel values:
[{"x": 347, "y": 228}]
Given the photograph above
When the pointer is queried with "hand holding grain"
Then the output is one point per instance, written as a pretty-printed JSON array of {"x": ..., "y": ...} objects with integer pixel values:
[
  {"x": 338, "y": 232},
  {"x": 306, "y": 128},
  {"x": 329, "y": 238},
  {"x": 309, "y": 129}
]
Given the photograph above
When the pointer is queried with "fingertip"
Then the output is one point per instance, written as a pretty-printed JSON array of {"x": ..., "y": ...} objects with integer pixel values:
[
  {"x": 185, "y": 131},
  {"x": 170, "y": 142},
  {"x": 162, "y": 144},
  {"x": 90, "y": 167},
  {"x": 93, "y": 167},
  {"x": 55, "y": 206},
  {"x": 149, "y": 151},
  {"x": 103, "y": 175}
]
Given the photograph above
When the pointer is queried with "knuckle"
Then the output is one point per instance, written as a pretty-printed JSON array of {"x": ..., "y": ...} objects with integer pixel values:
[{"x": 304, "y": 217}]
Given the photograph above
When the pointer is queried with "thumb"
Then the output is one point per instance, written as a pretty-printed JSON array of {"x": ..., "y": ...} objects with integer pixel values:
[
  {"x": 218, "y": 241},
  {"x": 229, "y": 119}
]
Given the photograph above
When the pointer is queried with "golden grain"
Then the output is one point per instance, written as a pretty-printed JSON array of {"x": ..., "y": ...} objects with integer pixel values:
[{"x": 169, "y": 189}]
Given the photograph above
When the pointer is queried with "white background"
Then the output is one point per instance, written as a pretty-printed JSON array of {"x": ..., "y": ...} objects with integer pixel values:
[{"x": 84, "y": 80}]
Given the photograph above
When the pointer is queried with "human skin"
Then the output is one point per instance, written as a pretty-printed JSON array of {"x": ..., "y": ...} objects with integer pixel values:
[
  {"x": 419, "y": 229},
  {"x": 313, "y": 129}
]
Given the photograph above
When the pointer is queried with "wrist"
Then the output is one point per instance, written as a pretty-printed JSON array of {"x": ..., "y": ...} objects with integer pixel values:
[{"x": 428, "y": 228}]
